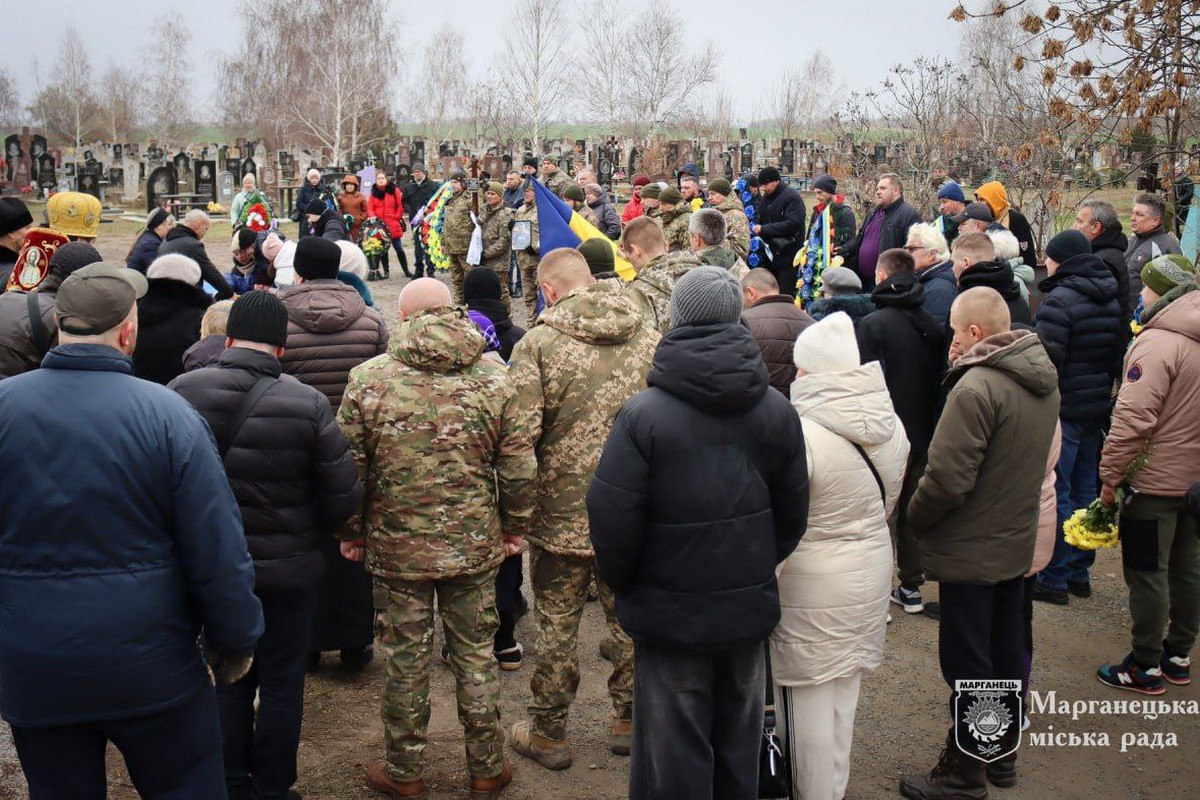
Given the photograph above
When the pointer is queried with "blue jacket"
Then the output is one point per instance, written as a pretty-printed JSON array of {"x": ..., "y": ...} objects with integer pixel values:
[
  {"x": 940, "y": 290},
  {"x": 240, "y": 283},
  {"x": 1081, "y": 324},
  {"x": 120, "y": 542},
  {"x": 145, "y": 250}
]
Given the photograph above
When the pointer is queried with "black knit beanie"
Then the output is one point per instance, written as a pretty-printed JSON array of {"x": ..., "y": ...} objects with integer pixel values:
[
  {"x": 315, "y": 207},
  {"x": 72, "y": 256},
  {"x": 317, "y": 259},
  {"x": 258, "y": 316},
  {"x": 246, "y": 237},
  {"x": 481, "y": 283}
]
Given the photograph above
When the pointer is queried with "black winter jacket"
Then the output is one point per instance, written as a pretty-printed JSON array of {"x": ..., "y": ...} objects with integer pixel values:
[
  {"x": 183, "y": 240},
  {"x": 204, "y": 353},
  {"x": 144, "y": 251},
  {"x": 329, "y": 226},
  {"x": 909, "y": 345},
  {"x": 1082, "y": 326},
  {"x": 782, "y": 221},
  {"x": 701, "y": 490},
  {"x": 1110, "y": 246},
  {"x": 506, "y": 331},
  {"x": 897, "y": 219},
  {"x": 998, "y": 275},
  {"x": 289, "y": 465},
  {"x": 168, "y": 324},
  {"x": 416, "y": 195}
]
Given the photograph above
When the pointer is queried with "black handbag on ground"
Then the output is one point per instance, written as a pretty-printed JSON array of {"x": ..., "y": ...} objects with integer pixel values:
[{"x": 774, "y": 772}]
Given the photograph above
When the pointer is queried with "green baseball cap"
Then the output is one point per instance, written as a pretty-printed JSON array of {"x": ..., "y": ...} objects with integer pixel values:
[{"x": 97, "y": 298}]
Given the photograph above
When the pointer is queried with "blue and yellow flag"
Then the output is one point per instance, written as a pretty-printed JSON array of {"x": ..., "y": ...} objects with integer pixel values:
[{"x": 560, "y": 226}]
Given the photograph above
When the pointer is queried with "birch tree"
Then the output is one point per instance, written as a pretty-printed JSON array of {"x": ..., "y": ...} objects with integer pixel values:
[
  {"x": 120, "y": 96},
  {"x": 169, "y": 100},
  {"x": 662, "y": 72},
  {"x": 538, "y": 85}
]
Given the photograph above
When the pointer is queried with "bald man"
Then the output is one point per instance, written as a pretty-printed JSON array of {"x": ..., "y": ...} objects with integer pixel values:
[
  {"x": 449, "y": 482},
  {"x": 989, "y": 452},
  {"x": 572, "y": 374}
]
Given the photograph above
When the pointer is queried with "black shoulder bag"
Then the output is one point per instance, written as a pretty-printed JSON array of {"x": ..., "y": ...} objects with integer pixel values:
[
  {"x": 874, "y": 474},
  {"x": 248, "y": 402},
  {"x": 774, "y": 772}
]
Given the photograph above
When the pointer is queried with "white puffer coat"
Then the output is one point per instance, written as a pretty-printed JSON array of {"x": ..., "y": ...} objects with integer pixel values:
[{"x": 833, "y": 589}]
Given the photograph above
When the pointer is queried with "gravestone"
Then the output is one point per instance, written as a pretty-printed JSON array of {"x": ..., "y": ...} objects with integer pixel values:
[
  {"x": 747, "y": 158},
  {"x": 132, "y": 184},
  {"x": 635, "y": 160},
  {"x": 46, "y": 171},
  {"x": 116, "y": 180},
  {"x": 206, "y": 179},
  {"x": 416, "y": 152},
  {"x": 12, "y": 154},
  {"x": 233, "y": 166},
  {"x": 183, "y": 167},
  {"x": 604, "y": 168},
  {"x": 268, "y": 180},
  {"x": 449, "y": 166},
  {"x": 118, "y": 152},
  {"x": 715, "y": 161},
  {"x": 787, "y": 156},
  {"x": 226, "y": 184},
  {"x": 494, "y": 167},
  {"x": 672, "y": 160},
  {"x": 404, "y": 155},
  {"x": 162, "y": 181},
  {"x": 249, "y": 167},
  {"x": 37, "y": 149},
  {"x": 507, "y": 160},
  {"x": 403, "y": 174}
]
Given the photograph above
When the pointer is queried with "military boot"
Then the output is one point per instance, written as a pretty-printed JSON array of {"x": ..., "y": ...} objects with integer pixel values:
[
  {"x": 1003, "y": 773},
  {"x": 550, "y": 753},
  {"x": 380, "y": 780},
  {"x": 956, "y": 776},
  {"x": 620, "y": 739},
  {"x": 490, "y": 788}
]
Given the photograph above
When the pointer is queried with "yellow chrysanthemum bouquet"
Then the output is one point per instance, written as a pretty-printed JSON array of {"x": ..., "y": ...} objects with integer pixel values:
[{"x": 1096, "y": 527}]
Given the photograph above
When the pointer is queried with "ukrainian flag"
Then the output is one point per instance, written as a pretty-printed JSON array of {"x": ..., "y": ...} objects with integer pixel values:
[{"x": 560, "y": 226}]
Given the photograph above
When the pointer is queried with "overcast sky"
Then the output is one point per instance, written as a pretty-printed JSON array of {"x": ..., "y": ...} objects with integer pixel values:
[{"x": 758, "y": 39}]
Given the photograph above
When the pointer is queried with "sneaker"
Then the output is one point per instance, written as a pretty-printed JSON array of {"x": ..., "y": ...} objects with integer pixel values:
[
  {"x": 1133, "y": 677},
  {"x": 510, "y": 657},
  {"x": 1176, "y": 669},
  {"x": 933, "y": 610},
  {"x": 1043, "y": 594},
  {"x": 1025, "y": 723},
  {"x": 1080, "y": 588},
  {"x": 908, "y": 599}
]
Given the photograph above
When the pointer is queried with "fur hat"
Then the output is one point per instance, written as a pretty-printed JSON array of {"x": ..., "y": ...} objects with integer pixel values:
[
  {"x": 175, "y": 267},
  {"x": 706, "y": 295},
  {"x": 827, "y": 346},
  {"x": 530, "y": 162}
]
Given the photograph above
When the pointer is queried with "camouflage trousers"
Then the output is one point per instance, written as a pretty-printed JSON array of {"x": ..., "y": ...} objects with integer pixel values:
[
  {"x": 529, "y": 285},
  {"x": 458, "y": 273},
  {"x": 467, "y": 605},
  {"x": 560, "y": 588}
]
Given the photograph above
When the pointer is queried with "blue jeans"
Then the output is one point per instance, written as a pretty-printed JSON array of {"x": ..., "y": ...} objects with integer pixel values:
[{"x": 1077, "y": 474}]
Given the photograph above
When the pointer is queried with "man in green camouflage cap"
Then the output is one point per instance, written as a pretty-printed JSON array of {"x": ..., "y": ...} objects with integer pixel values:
[
  {"x": 457, "y": 231},
  {"x": 449, "y": 478},
  {"x": 722, "y": 197},
  {"x": 675, "y": 215},
  {"x": 554, "y": 178},
  {"x": 650, "y": 195},
  {"x": 644, "y": 244},
  {"x": 573, "y": 195},
  {"x": 496, "y": 221},
  {"x": 588, "y": 354}
]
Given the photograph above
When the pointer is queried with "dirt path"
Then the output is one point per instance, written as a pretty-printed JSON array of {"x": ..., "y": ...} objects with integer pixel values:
[{"x": 899, "y": 729}]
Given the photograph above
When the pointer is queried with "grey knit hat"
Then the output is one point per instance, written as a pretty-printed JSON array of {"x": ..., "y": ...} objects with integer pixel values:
[{"x": 706, "y": 295}]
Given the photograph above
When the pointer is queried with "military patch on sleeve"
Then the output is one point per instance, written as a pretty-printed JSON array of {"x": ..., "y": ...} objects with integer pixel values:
[{"x": 1135, "y": 372}]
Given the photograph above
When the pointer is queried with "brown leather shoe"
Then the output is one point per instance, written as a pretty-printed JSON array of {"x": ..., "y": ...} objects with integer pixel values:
[
  {"x": 620, "y": 739},
  {"x": 550, "y": 753},
  {"x": 381, "y": 781},
  {"x": 490, "y": 788}
]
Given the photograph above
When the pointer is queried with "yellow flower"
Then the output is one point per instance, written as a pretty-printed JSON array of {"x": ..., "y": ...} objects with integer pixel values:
[
  {"x": 697, "y": 204},
  {"x": 1136, "y": 327}
]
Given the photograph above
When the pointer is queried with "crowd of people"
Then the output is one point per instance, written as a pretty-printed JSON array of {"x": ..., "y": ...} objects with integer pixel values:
[{"x": 779, "y": 429}]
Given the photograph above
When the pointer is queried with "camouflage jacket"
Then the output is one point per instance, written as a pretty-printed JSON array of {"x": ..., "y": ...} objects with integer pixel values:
[
  {"x": 587, "y": 355},
  {"x": 524, "y": 257},
  {"x": 456, "y": 235},
  {"x": 675, "y": 227},
  {"x": 444, "y": 461},
  {"x": 588, "y": 213},
  {"x": 725, "y": 257},
  {"x": 497, "y": 238},
  {"x": 653, "y": 285},
  {"x": 738, "y": 237},
  {"x": 557, "y": 182}
]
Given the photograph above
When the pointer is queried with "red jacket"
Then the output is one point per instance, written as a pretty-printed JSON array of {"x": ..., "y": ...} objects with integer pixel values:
[
  {"x": 633, "y": 209},
  {"x": 389, "y": 208}
]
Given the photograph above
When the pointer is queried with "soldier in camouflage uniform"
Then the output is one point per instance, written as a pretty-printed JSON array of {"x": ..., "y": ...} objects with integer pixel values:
[
  {"x": 722, "y": 197},
  {"x": 496, "y": 221},
  {"x": 674, "y": 214},
  {"x": 527, "y": 259},
  {"x": 449, "y": 477},
  {"x": 456, "y": 234},
  {"x": 657, "y": 270},
  {"x": 588, "y": 354},
  {"x": 573, "y": 195},
  {"x": 706, "y": 237},
  {"x": 650, "y": 195},
  {"x": 554, "y": 178}
]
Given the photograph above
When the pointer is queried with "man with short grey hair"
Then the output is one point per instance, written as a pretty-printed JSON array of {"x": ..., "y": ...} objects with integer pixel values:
[
  {"x": 1150, "y": 240},
  {"x": 186, "y": 239},
  {"x": 1098, "y": 221},
  {"x": 707, "y": 230}
]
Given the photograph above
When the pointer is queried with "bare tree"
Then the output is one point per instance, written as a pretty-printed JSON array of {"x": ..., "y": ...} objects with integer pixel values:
[
  {"x": 330, "y": 62},
  {"x": 442, "y": 87},
  {"x": 711, "y": 117},
  {"x": 10, "y": 102},
  {"x": 67, "y": 106},
  {"x": 169, "y": 99},
  {"x": 120, "y": 96},
  {"x": 539, "y": 45},
  {"x": 804, "y": 95},
  {"x": 599, "y": 87},
  {"x": 663, "y": 72}
]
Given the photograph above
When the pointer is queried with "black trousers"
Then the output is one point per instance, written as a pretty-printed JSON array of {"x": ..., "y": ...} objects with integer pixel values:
[
  {"x": 345, "y": 618},
  {"x": 697, "y": 723},
  {"x": 260, "y": 754},
  {"x": 982, "y": 632},
  {"x": 420, "y": 260},
  {"x": 508, "y": 589},
  {"x": 172, "y": 755}
]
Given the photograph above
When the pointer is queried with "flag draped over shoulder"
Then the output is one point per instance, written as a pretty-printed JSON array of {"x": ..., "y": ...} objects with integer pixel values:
[{"x": 560, "y": 226}]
